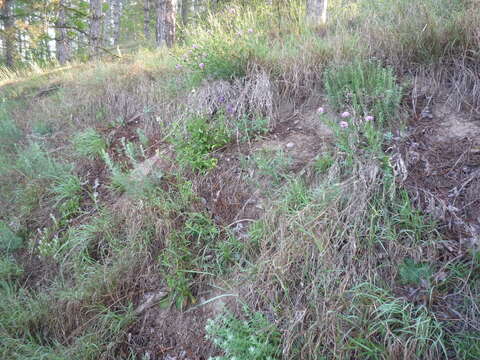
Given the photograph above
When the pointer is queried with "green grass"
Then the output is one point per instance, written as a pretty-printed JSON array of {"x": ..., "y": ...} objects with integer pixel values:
[
  {"x": 90, "y": 144},
  {"x": 366, "y": 88}
]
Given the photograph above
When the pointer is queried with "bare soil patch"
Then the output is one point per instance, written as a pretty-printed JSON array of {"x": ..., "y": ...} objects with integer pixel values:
[{"x": 440, "y": 157}]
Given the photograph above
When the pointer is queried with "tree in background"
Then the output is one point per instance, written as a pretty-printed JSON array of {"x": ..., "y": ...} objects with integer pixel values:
[
  {"x": 96, "y": 16},
  {"x": 63, "y": 50},
  {"x": 317, "y": 11},
  {"x": 146, "y": 18},
  {"x": 8, "y": 32}
]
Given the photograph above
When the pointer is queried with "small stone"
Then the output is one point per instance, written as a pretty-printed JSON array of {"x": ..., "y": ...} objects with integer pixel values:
[{"x": 290, "y": 145}]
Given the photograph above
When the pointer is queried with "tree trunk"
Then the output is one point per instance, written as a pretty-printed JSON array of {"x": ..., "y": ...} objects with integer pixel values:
[
  {"x": 170, "y": 10},
  {"x": 186, "y": 7},
  {"x": 160, "y": 25},
  {"x": 117, "y": 15},
  {"x": 61, "y": 38},
  {"x": 95, "y": 27},
  {"x": 9, "y": 33},
  {"x": 146, "y": 18},
  {"x": 317, "y": 12},
  {"x": 165, "y": 26}
]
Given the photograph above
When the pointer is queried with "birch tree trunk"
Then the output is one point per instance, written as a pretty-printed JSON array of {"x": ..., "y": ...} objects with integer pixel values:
[
  {"x": 9, "y": 33},
  {"x": 62, "y": 46},
  {"x": 146, "y": 19},
  {"x": 117, "y": 7},
  {"x": 95, "y": 27},
  {"x": 317, "y": 12}
]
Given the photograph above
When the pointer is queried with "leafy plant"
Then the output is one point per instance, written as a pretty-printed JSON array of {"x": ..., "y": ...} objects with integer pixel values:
[
  {"x": 9, "y": 241},
  {"x": 414, "y": 273},
  {"x": 195, "y": 145},
  {"x": 254, "y": 338}
]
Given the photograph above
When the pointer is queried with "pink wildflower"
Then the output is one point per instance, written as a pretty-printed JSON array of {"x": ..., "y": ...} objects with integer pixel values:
[
  {"x": 178, "y": 66},
  {"x": 343, "y": 124},
  {"x": 320, "y": 110},
  {"x": 194, "y": 46},
  {"x": 345, "y": 114},
  {"x": 250, "y": 30},
  {"x": 202, "y": 66},
  {"x": 369, "y": 118}
]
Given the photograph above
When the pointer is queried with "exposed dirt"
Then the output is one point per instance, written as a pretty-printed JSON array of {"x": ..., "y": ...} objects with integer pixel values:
[{"x": 439, "y": 163}]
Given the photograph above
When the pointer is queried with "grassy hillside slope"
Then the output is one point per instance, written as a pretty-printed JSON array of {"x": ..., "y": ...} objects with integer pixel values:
[{"x": 265, "y": 190}]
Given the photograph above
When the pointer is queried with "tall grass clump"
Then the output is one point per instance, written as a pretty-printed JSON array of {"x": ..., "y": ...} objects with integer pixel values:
[
  {"x": 224, "y": 43},
  {"x": 365, "y": 87},
  {"x": 409, "y": 32},
  {"x": 89, "y": 143}
]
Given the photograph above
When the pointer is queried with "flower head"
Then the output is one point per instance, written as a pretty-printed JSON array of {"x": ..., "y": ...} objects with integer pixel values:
[
  {"x": 369, "y": 118},
  {"x": 201, "y": 66},
  {"x": 178, "y": 66},
  {"x": 239, "y": 33},
  {"x": 194, "y": 46},
  {"x": 320, "y": 110},
  {"x": 343, "y": 124},
  {"x": 345, "y": 114},
  {"x": 250, "y": 30}
]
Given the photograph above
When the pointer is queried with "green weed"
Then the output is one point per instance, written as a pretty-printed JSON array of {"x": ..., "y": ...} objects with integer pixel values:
[
  {"x": 271, "y": 164},
  {"x": 414, "y": 273},
  {"x": 467, "y": 345},
  {"x": 252, "y": 338},
  {"x": 9, "y": 241},
  {"x": 324, "y": 162},
  {"x": 10, "y": 134},
  {"x": 195, "y": 145}
]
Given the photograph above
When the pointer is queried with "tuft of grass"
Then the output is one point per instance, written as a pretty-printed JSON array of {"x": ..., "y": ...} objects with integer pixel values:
[
  {"x": 67, "y": 192},
  {"x": 365, "y": 87},
  {"x": 384, "y": 322},
  {"x": 90, "y": 144}
]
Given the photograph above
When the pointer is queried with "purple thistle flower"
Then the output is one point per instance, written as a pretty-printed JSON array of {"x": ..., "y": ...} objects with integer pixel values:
[
  {"x": 250, "y": 30},
  {"x": 369, "y": 118},
  {"x": 201, "y": 66},
  {"x": 230, "y": 109},
  {"x": 343, "y": 124},
  {"x": 345, "y": 114},
  {"x": 178, "y": 66}
]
